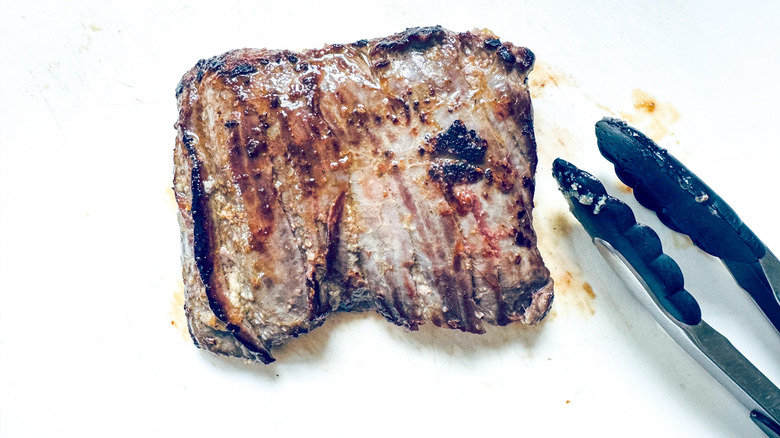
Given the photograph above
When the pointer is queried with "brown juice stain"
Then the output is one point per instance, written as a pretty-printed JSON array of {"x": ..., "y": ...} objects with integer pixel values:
[
  {"x": 561, "y": 224},
  {"x": 548, "y": 83},
  {"x": 564, "y": 281},
  {"x": 557, "y": 230},
  {"x": 178, "y": 319},
  {"x": 553, "y": 230},
  {"x": 544, "y": 75},
  {"x": 572, "y": 294},
  {"x": 87, "y": 31},
  {"x": 623, "y": 188},
  {"x": 650, "y": 115},
  {"x": 589, "y": 290},
  {"x": 681, "y": 241}
]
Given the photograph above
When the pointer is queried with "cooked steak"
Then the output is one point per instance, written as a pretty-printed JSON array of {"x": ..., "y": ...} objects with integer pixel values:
[{"x": 394, "y": 174}]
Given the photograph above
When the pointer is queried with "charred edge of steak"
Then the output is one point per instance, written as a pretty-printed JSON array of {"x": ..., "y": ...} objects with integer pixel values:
[
  {"x": 510, "y": 55},
  {"x": 234, "y": 63},
  {"x": 524, "y": 233},
  {"x": 524, "y": 58},
  {"x": 523, "y": 307},
  {"x": 416, "y": 38},
  {"x": 201, "y": 227},
  {"x": 507, "y": 56},
  {"x": 203, "y": 259},
  {"x": 201, "y": 68},
  {"x": 242, "y": 69},
  {"x": 421, "y": 38},
  {"x": 492, "y": 43},
  {"x": 412, "y": 38}
]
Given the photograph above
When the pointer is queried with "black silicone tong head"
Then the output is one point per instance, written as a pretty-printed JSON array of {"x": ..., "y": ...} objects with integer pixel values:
[
  {"x": 607, "y": 218},
  {"x": 682, "y": 201}
]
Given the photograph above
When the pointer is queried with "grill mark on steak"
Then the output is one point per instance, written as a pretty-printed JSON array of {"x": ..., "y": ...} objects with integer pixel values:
[
  {"x": 251, "y": 174},
  {"x": 299, "y": 171},
  {"x": 334, "y": 229},
  {"x": 203, "y": 229},
  {"x": 341, "y": 210},
  {"x": 453, "y": 285},
  {"x": 318, "y": 305},
  {"x": 407, "y": 304},
  {"x": 428, "y": 247},
  {"x": 460, "y": 313},
  {"x": 395, "y": 274}
]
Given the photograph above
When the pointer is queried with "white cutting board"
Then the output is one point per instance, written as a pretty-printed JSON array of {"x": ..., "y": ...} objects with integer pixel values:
[{"x": 92, "y": 336}]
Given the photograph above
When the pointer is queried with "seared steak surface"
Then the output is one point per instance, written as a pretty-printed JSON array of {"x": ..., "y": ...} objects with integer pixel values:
[{"x": 394, "y": 174}]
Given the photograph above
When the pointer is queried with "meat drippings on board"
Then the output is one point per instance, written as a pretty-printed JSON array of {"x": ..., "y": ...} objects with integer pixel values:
[{"x": 394, "y": 175}]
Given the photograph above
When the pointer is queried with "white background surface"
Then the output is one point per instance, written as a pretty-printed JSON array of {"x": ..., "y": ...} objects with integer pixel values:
[{"x": 91, "y": 336}]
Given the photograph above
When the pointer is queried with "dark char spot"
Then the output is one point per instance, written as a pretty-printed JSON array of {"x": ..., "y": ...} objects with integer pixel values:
[
  {"x": 522, "y": 240},
  {"x": 526, "y": 59},
  {"x": 461, "y": 142},
  {"x": 452, "y": 171},
  {"x": 506, "y": 55},
  {"x": 253, "y": 147},
  {"x": 360, "y": 43},
  {"x": 231, "y": 124},
  {"x": 492, "y": 43},
  {"x": 242, "y": 69},
  {"x": 214, "y": 64}
]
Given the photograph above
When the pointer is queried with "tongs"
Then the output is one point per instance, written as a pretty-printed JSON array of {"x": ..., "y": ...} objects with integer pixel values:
[{"x": 686, "y": 205}]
